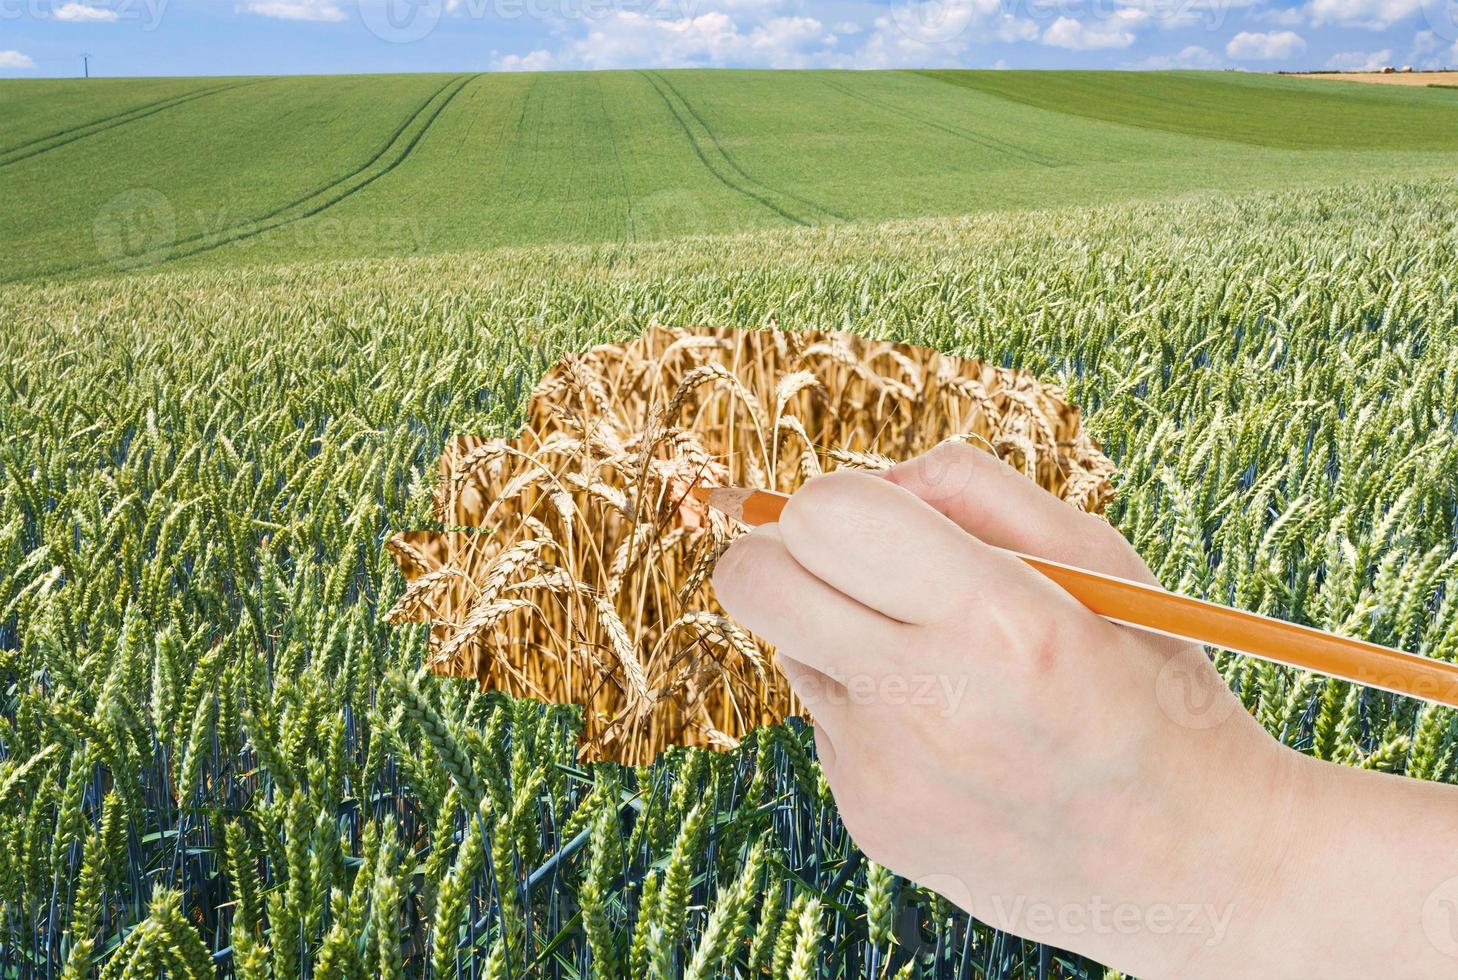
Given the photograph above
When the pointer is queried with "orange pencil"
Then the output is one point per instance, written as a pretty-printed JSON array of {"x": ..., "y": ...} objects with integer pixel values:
[{"x": 1149, "y": 608}]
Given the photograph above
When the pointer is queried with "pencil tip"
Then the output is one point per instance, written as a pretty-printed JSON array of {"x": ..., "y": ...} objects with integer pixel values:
[{"x": 727, "y": 500}]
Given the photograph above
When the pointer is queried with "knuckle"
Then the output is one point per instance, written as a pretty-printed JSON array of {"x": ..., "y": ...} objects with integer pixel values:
[
  {"x": 949, "y": 469},
  {"x": 1105, "y": 535},
  {"x": 836, "y": 503},
  {"x": 1031, "y": 646},
  {"x": 827, "y": 489},
  {"x": 1043, "y": 646},
  {"x": 965, "y": 453},
  {"x": 958, "y": 596},
  {"x": 806, "y": 503},
  {"x": 955, "y": 607},
  {"x": 1043, "y": 652},
  {"x": 1109, "y": 548}
]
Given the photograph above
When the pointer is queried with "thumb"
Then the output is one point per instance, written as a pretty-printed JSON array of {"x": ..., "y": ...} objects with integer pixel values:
[{"x": 997, "y": 504}]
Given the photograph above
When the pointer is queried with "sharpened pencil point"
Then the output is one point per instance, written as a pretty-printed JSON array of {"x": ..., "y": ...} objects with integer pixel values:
[
  {"x": 730, "y": 500},
  {"x": 753, "y": 507}
]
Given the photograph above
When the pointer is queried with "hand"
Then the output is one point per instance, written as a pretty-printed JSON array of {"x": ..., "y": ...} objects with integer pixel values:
[{"x": 1057, "y": 776}]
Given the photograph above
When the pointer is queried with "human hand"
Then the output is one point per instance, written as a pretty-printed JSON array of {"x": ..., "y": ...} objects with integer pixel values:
[{"x": 987, "y": 736}]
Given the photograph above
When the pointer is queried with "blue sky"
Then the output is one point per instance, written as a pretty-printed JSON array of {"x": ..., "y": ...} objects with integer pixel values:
[{"x": 41, "y": 38}]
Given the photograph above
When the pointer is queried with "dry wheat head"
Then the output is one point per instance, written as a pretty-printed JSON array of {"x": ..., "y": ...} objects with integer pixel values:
[{"x": 575, "y": 565}]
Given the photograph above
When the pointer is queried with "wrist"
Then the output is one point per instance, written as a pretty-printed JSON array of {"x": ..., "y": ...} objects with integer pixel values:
[
  {"x": 1269, "y": 819},
  {"x": 1357, "y": 874}
]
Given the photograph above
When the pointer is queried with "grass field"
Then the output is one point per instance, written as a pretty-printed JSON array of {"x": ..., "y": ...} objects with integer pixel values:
[
  {"x": 213, "y": 753},
  {"x": 107, "y": 175},
  {"x": 1278, "y": 112}
]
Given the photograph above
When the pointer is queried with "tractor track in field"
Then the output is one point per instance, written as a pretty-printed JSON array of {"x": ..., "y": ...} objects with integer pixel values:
[
  {"x": 96, "y": 122},
  {"x": 68, "y": 136},
  {"x": 356, "y": 188},
  {"x": 207, "y": 241},
  {"x": 719, "y": 175},
  {"x": 729, "y": 157},
  {"x": 612, "y": 132},
  {"x": 986, "y": 142}
]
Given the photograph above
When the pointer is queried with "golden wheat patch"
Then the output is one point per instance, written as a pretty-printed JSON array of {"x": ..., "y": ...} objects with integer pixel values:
[{"x": 575, "y": 566}]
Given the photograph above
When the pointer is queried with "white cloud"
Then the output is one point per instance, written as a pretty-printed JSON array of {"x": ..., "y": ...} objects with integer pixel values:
[
  {"x": 938, "y": 33},
  {"x": 685, "y": 33},
  {"x": 1425, "y": 42},
  {"x": 1174, "y": 14},
  {"x": 1114, "y": 31},
  {"x": 1372, "y": 14},
  {"x": 626, "y": 39},
  {"x": 84, "y": 13},
  {"x": 1429, "y": 51},
  {"x": 1259, "y": 46},
  {"x": 317, "y": 10},
  {"x": 539, "y": 60},
  {"x": 1192, "y": 56},
  {"x": 1281, "y": 16},
  {"x": 14, "y": 59},
  {"x": 1360, "y": 60},
  {"x": 903, "y": 33}
]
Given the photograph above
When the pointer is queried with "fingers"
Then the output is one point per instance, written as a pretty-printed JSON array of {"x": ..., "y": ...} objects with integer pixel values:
[
  {"x": 825, "y": 751},
  {"x": 824, "y": 699},
  {"x": 879, "y": 544},
  {"x": 819, "y": 693},
  {"x": 767, "y": 591},
  {"x": 995, "y": 503}
]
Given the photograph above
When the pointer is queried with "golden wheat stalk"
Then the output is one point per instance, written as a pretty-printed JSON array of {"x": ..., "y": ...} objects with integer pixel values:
[{"x": 587, "y": 582}]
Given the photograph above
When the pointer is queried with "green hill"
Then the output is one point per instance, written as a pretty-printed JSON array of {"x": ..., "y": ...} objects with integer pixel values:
[
  {"x": 101, "y": 175},
  {"x": 1262, "y": 110}
]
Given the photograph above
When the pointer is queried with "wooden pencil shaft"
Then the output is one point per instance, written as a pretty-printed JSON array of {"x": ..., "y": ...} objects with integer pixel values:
[{"x": 1150, "y": 608}]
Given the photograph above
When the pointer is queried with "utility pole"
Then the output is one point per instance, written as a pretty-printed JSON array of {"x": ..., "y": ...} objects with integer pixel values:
[{"x": 86, "y": 65}]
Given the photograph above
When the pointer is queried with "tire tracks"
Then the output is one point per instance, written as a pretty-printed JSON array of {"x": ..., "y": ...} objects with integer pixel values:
[
  {"x": 319, "y": 199},
  {"x": 311, "y": 208},
  {"x": 984, "y": 141},
  {"x": 729, "y": 157},
  {"x": 612, "y": 134},
  {"x": 94, "y": 122},
  {"x": 718, "y": 173},
  {"x": 111, "y": 122}
]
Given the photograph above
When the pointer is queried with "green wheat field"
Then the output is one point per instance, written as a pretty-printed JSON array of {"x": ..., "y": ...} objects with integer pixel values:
[
  {"x": 228, "y": 372},
  {"x": 133, "y": 174}
]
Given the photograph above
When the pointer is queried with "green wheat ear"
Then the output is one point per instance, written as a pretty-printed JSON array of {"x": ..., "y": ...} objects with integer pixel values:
[{"x": 198, "y": 470}]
